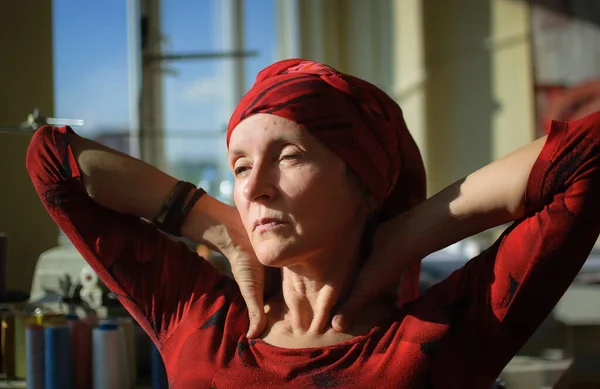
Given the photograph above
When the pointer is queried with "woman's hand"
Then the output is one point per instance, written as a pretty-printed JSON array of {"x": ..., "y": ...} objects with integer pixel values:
[
  {"x": 249, "y": 274},
  {"x": 219, "y": 226},
  {"x": 391, "y": 255},
  {"x": 491, "y": 196}
]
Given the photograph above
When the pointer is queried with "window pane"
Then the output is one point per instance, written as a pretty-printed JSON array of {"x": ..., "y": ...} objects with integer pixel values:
[
  {"x": 260, "y": 34},
  {"x": 91, "y": 67}
]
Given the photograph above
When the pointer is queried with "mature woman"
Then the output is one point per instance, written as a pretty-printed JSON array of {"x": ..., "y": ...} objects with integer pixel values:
[{"x": 329, "y": 189}]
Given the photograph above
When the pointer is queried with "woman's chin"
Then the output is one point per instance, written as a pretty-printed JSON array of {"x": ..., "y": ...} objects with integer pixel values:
[
  {"x": 275, "y": 252},
  {"x": 274, "y": 255},
  {"x": 270, "y": 260}
]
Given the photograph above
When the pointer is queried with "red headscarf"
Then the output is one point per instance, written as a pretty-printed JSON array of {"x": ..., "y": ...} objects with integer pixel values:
[{"x": 354, "y": 119}]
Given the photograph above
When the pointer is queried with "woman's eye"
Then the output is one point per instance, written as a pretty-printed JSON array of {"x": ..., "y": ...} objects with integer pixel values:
[
  {"x": 289, "y": 156},
  {"x": 239, "y": 170}
]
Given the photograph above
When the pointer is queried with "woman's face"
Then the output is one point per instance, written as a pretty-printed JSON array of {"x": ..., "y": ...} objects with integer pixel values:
[{"x": 293, "y": 194}]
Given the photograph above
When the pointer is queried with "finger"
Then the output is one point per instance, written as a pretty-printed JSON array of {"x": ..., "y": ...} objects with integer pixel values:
[
  {"x": 251, "y": 288},
  {"x": 366, "y": 288},
  {"x": 251, "y": 283},
  {"x": 256, "y": 315}
]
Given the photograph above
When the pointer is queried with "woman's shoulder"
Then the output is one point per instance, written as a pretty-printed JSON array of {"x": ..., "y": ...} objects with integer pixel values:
[{"x": 222, "y": 311}]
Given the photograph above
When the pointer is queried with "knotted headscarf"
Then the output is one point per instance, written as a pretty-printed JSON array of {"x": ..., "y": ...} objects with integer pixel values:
[{"x": 354, "y": 119}]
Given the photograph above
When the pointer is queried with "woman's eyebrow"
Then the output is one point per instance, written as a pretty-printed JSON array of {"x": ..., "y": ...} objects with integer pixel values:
[
  {"x": 275, "y": 142},
  {"x": 235, "y": 152}
]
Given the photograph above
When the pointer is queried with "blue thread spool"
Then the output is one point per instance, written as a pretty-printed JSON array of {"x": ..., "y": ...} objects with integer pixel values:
[
  {"x": 58, "y": 374},
  {"x": 159, "y": 375},
  {"x": 34, "y": 344}
]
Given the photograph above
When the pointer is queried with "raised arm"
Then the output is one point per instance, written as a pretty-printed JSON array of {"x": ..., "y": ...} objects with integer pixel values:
[
  {"x": 127, "y": 185},
  {"x": 498, "y": 299},
  {"x": 490, "y": 307},
  {"x": 489, "y": 197},
  {"x": 98, "y": 196}
]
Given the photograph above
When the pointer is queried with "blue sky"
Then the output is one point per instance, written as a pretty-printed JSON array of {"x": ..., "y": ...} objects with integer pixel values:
[{"x": 91, "y": 66}]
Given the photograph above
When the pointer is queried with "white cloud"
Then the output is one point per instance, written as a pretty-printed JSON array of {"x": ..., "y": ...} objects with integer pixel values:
[
  {"x": 203, "y": 102},
  {"x": 206, "y": 90}
]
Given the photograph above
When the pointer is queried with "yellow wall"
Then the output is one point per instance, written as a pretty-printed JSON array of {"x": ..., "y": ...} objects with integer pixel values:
[
  {"x": 463, "y": 77},
  {"x": 513, "y": 123},
  {"x": 353, "y": 36},
  {"x": 410, "y": 73},
  {"x": 26, "y": 82}
]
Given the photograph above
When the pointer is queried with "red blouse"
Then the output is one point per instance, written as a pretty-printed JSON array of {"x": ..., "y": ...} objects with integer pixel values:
[{"x": 459, "y": 334}]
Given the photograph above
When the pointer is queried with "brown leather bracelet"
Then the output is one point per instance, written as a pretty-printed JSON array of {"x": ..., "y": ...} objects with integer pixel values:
[
  {"x": 160, "y": 217},
  {"x": 170, "y": 219},
  {"x": 187, "y": 208}
]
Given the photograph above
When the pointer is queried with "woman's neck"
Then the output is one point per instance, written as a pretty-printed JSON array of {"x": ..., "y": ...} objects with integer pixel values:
[
  {"x": 300, "y": 316},
  {"x": 309, "y": 302},
  {"x": 312, "y": 289}
]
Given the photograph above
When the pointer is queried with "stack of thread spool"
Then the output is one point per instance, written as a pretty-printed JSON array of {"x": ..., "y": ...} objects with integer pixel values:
[
  {"x": 72, "y": 353},
  {"x": 56, "y": 351}
]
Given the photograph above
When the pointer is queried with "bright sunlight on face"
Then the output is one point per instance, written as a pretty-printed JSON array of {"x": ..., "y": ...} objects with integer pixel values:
[{"x": 293, "y": 194}]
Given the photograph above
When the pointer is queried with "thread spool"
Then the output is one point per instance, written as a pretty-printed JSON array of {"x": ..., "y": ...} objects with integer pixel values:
[
  {"x": 54, "y": 319},
  {"x": 3, "y": 260},
  {"x": 143, "y": 347},
  {"x": 20, "y": 345},
  {"x": 124, "y": 369},
  {"x": 8, "y": 344},
  {"x": 128, "y": 327},
  {"x": 46, "y": 319},
  {"x": 109, "y": 357},
  {"x": 81, "y": 352},
  {"x": 57, "y": 372},
  {"x": 159, "y": 374},
  {"x": 34, "y": 344},
  {"x": 91, "y": 320},
  {"x": 1, "y": 353}
]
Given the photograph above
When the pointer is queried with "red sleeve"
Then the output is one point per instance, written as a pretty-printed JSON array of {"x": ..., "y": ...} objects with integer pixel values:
[
  {"x": 498, "y": 299},
  {"x": 157, "y": 279}
]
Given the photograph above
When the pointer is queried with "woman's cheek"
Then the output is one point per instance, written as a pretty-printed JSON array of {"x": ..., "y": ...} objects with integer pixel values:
[{"x": 301, "y": 178}]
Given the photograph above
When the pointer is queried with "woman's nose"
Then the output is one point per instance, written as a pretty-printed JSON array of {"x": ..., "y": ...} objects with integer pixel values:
[{"x": 260, "y": 185}]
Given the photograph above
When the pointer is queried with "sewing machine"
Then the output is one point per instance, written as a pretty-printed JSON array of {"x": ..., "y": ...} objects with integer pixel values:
[{"x": 64, "y": 283}]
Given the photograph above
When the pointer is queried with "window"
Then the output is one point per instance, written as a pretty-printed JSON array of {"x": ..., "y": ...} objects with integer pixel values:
[{"x": 91, "y": 80}]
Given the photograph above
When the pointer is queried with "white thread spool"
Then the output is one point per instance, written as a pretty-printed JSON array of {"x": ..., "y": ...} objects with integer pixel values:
[{"x": 110, "y": 365}]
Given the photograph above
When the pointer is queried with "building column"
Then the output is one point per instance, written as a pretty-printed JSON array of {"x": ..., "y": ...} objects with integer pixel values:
[
  {"x": 510, "y": 45},
  {"x": 151, "y": 126},
  {"x": 409, "y": 70},
  {"x": 26, "y": 83},
  {"x": 353, "y": 36},
  {"x": 474, "y": 93}
]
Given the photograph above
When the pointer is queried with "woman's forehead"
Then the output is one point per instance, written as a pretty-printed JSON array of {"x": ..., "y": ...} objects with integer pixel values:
[{"x": 265, "y": 128}]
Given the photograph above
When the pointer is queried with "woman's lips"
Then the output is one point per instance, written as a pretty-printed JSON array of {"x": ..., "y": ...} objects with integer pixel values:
[{"x": 267, "y": 224}]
